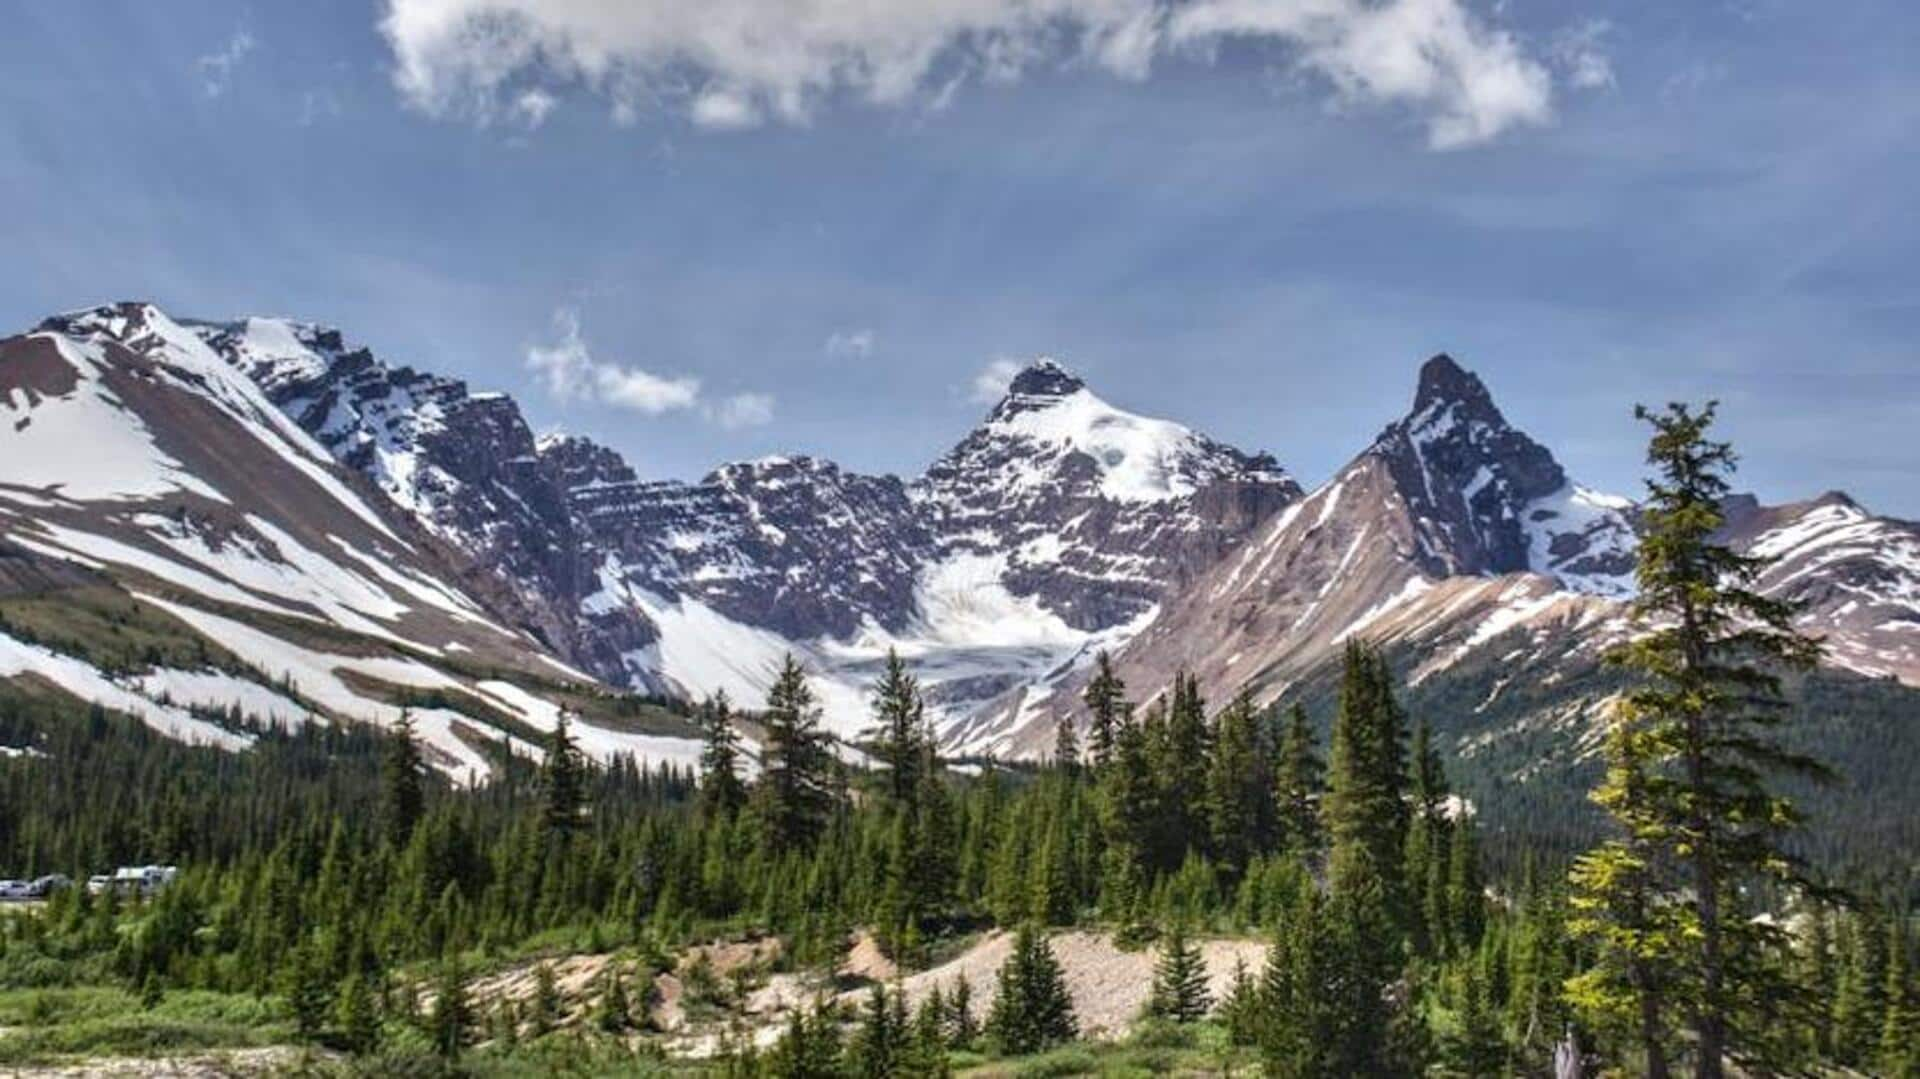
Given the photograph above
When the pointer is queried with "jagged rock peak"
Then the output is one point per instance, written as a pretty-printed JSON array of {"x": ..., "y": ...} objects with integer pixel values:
[
  {"x": 1038, "y": 385},
  {"x": 1045, "y": 377},
  {"x": 1443, "y": 381}
]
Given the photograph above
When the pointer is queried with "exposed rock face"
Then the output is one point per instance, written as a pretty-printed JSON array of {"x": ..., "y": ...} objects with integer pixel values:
[
  {"x": 142, "y": 468},
  {"x": 1058, "y": 519},
  {"x": 1095, "y": 512},
  {"x": 1059, "y": 526},
  {"x": 1855, "y": 576},
  {"x": 1454, "y": 533}
]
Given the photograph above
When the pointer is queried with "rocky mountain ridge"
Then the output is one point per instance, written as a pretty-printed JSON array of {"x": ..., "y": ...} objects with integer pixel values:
[{"x": 1059, "y": 526}]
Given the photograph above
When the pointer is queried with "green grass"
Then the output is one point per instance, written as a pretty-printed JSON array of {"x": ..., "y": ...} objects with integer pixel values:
[
  {"x": 1153, "y": 1049},
  {"x": 50, "y": 1024}
]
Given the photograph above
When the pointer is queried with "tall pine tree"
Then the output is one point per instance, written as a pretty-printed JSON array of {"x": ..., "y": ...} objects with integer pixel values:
[{"x": 1709, "y": 656}]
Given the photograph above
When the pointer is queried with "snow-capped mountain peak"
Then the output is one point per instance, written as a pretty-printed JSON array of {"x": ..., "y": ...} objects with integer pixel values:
[{"x": 1485, "y": 498}]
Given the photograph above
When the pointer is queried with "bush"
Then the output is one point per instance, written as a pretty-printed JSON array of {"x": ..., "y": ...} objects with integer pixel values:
[{"x": 1070, "y": 1061}]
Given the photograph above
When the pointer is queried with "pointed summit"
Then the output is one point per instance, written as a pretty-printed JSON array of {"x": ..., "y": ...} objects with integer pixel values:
[
  {"x": 1443, "y": 381},
  {"x": 1045, "y": 377}
]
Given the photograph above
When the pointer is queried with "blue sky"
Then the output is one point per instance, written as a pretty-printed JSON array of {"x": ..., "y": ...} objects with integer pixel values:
[{"x": 700, "y": 239}]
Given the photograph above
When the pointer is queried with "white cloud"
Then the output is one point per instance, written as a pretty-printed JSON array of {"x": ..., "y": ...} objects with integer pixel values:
[
  {"x": 744, "y": 410},
  {"x": 216, "y": 67},
  {"x": 730, "y": 64},
  {"x": 850, "y": 344},
  {"x": 570, "y": 373},
  {"x": 1577, "y": 51},
  {"x": 534, "y": 105},
  {"x": 990, "y": 385}
]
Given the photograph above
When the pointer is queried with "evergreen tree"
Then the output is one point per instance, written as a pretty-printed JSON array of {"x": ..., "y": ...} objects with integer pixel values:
[
  {"x": 721, "y": 791},
  {"x": 1180, "y": 981},
  {"x": 1898, "y": 1054},
  {"x": 1859, "y": 1009},
  {"x": 1617, "y": 905},
  {"x": 900, "y": 718},
  {"x": 1709, "y": 655},
  {"x": 810, "y": 1047},
  {"x": 925, "y": 1055},
  {"x": 1106, "y": 700},
  {"x": 1364, "y": 808},
  {"x": 1239, "y": 788},
  {"x": 357, "y": 1015},
  {"x": 545, "y": 1010},
  {"x": 962, "y": 1028},
  {"x": 1298, "y": 780},
  {"x": 1477, "y": 1048},
  {"x": 794, "y": 796},
  {"x": 1300, "y": 1027},
  {"x": 1240, "y": 1009},
  {"x": 561, "y": 783},
  {"x": 615, "y": 1012},
  {"x": 878, "y": 1043},
  {"x": 1066, "y": 746},
  {"x": 452, "y": 1014},
  {"x": 1031, "y": 1010},
  {"x": 308, "y": 993},
  {"x": 1181, "y": 750},
  {"x": 402, "y": 788}
]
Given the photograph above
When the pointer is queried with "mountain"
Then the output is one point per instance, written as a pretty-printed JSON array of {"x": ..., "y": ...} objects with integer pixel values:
[
  {"x": 1061, "y": 523},
  {"x": 1453, "y": 537},
  {"x": 255, "y": 571},
  {"x": 293, "y": 524}
]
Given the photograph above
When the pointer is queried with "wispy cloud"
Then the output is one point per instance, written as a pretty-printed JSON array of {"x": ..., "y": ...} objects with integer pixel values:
[
  {"x": 991, "y": 383},
  {"x": 216, "y": 68},
  {"x": 534, "y": 105},
  {"x": 850, "y": 344},
  {"x": 1579, "y": 52},
  {"x": 731, "y": 64},
  {"x": 744, "y": 410},
  {"x": 569, "y": 371}
]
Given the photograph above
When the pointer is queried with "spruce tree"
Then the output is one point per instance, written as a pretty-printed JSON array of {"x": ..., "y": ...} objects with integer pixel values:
[
  {"x": 875, "y": 1050},
  {"x": 1897, "y": 1050},
  {"x": 963, "y": 1028},
  {"x": 794, "y": 796},
  {"x": 1031, "y": 1010},
  {"x": 402, "y": 782},
  {"x": 1709, "y": 656},
  {"x": 562, "y": 786},
  {"x": 452, "y": 1014},
  {"x": 1180, "y": 980},
  {"x": 1239, "y": 789},
  {"x": 899, "y": 722},
  {"x": 1476, "y": 1048},
  {"x": 810, "y": 1047},
  {"x": 1299, "y": 777},
  {"x": 1618, "y": 906},
  {"x": 721, "y": 791},
  {"x": 1364, "y": 808},
  {"x": 1240, "y": 1009},
  {"x": 1066, "y": 746},
  {"x": 357, "y": 1015},
  {"x": 309, "y": 996},
  {"x": 614, "y": 1014},
  {"x": 925, "y": 1056},
  {"x": 1106, "y": 700}
]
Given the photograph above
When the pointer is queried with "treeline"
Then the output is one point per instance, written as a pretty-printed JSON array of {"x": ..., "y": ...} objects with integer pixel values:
[{"x": 331, "y": 869}]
